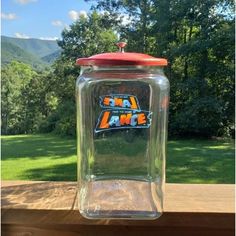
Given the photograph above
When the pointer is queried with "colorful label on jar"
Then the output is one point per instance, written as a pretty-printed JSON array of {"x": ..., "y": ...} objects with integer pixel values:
[
  {"x": 121, "y": 111},
  {"x": 122, "y": 101}
]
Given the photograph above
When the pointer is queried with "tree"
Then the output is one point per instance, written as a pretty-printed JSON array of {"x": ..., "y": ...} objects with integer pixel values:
[
  {"x": 15, "y": 78},
  {"x": 27, "y": 99},
  {"x": 86, "y": 37},
  {"x": 189, "y": 34},
  {"x": 197, "y": 38}
]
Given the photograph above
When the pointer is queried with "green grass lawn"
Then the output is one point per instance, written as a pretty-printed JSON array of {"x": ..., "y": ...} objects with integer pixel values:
[{"x": 48, "y": 157}]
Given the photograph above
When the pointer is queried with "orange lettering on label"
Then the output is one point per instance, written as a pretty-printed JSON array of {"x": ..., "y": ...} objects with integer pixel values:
[
  {"x": 106, "y": 101},
  {"x": 104, "y": 124},
  {"x": 133, "y": 103},
  {"x": 118, "y": 102},
  {"x": 125, "y": 119},
  {"x": 141, "y": 118}
]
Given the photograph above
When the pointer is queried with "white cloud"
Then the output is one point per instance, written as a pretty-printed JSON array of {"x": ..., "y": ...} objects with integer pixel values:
[
  {"x": 21, "y": 36},
  {"x": 8, "y": 16},
  {"x": 83, "y": 13},
  {"x": 57, "y": 23},
  {"x": 48, "y": 38},
  {"x": 24, "y": 36},
  {"x": 24, "y": 2},
  {"x": 75, "y": 15}
]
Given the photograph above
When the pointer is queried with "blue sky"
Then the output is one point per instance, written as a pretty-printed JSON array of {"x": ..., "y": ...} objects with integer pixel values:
[{"x": 43, "y": 19}]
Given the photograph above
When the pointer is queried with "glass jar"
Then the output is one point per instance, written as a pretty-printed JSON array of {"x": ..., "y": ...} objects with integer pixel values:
[{"x": 122, "y": 107}]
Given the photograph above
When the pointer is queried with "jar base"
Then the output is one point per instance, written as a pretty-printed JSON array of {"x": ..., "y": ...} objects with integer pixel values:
[
  {"x": 131, "y": 215},
  {"x": 119, "y": 199}
]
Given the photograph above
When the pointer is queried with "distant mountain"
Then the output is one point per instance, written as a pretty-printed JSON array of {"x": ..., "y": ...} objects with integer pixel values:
[
  {"x": 51, "y": 57},
  {"x": 12, "y": 52},
  {"x": 35, "y": 52},
  {"x": 35, "y": 46}
]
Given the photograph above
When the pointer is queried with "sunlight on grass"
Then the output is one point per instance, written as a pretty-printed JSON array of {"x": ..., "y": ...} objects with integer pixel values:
[
  {"x": 200, "y": 161},
  {"x": 220, "y": 147},
  {"x": 48, "y": 157},
  {"x": 38, "y": 157}
]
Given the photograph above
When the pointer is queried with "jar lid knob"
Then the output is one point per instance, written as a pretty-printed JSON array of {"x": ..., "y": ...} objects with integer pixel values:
[{"x": 121, "y": 46}]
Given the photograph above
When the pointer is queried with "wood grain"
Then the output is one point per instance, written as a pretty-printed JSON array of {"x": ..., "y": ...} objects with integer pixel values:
[{"x": 49, "y": 208}]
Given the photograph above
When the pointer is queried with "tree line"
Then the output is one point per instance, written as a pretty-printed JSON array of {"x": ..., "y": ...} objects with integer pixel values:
[{"x": 197, "y": 38}]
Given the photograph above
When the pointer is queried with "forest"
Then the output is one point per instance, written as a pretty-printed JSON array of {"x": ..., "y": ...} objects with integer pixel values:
[{"x": 196, "y": 37}]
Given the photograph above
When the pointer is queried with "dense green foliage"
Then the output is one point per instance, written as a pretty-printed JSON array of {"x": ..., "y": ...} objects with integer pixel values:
[
  {"x": 48, "y": 157},
  {"x": 27, "y": 99},
  {"x": 78, "y": 41},
  {"x": 197, "y": 38}
]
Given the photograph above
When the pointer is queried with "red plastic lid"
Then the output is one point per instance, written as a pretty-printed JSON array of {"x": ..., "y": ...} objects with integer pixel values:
[{"x": 121, "y": 58}]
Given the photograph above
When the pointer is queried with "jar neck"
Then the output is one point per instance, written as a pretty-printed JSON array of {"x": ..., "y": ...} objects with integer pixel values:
[{"x": 143, "y": 69}]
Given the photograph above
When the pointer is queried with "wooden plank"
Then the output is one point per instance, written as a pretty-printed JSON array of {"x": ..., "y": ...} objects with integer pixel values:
[
  {"x": 62, "y": 196},
  {"x": 49, "y": 208},
  {"x": 102, "y": 230},
  {"x": 207, "y": 198},
  {"x": 69, "y": 217}
]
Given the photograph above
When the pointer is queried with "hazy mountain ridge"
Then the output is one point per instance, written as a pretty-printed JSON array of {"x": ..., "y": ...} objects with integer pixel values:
[
  {"x": 34, "y": 46},
  {"x": 12, "y": 52},
  {"x": 51, "y": 57},
  {"x": 36, "y": 52}
]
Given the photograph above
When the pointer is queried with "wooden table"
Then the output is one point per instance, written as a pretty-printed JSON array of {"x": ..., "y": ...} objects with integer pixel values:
[{"x": 48, "y": 208}]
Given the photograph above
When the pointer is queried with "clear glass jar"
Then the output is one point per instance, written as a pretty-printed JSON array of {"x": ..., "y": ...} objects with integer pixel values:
[{"x": 122, "y": 131}]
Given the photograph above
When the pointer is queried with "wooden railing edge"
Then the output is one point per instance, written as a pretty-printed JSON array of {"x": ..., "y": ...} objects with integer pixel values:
[{"x": 46, "y": 207}]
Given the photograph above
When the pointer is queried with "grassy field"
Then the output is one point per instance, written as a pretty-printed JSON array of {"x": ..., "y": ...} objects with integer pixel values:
[{"x": 47, "y": 157}]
